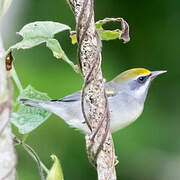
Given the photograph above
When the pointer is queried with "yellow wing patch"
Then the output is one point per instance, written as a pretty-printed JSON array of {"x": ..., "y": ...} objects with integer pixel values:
[
  {"x": 131, "y": 73},
  {"x": 109, "y": 92}
]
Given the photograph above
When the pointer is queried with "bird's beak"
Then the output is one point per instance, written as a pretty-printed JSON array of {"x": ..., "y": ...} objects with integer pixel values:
[{"x": 154, "y": 74}]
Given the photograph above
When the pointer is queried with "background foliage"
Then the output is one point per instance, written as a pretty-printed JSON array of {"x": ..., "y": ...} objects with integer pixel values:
[{"x": 149, "y": 148}]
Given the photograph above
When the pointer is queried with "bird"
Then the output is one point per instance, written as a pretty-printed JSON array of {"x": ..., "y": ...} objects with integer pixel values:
[{"x": 126, "y": 95}]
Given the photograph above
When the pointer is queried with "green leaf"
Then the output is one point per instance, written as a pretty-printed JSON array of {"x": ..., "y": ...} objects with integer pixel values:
[
  {"x": 4, "y": 5},
  {"x": 55, "y": 47},
  {"x": 108, "y": 34},
  {"x": 42, "y": 32},
  {"x": 27, "y": 118},
  {"x": 38, "y": 32},
  {"x": 55, "y": 172},
  {"x": 58, "y": 52}
]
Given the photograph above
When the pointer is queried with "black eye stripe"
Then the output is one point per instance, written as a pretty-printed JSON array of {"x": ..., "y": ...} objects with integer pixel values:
[{"x": 142, "y": 79}]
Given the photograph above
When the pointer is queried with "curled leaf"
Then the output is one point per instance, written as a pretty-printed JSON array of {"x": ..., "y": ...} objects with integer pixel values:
[
  {"x": 55, "y": 172},
  {"x": 109, "y": 35}
]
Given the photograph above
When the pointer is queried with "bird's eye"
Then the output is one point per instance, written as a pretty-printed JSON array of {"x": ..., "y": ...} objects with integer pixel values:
[{"x": 142, "y": 79}]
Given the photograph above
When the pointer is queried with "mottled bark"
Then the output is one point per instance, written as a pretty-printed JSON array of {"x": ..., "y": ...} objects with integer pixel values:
[
  {"x": 7, "y": 152},
  {"x": 99, "y": 142}
]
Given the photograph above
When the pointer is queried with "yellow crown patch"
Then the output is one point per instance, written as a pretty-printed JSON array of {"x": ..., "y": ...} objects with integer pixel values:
[{"x": 131, "y": 73}]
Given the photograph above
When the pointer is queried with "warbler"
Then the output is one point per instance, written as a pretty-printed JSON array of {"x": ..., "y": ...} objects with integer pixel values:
[{"x": 126, "y": 96}]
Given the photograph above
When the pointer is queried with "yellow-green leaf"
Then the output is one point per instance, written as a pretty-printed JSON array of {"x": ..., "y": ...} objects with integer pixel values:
[
  {"x": 73, "y": 38},
  {"x": 55, "y": 172},
  {"x": 122, "y": 33},
  {"x": 107, "y": 35}
]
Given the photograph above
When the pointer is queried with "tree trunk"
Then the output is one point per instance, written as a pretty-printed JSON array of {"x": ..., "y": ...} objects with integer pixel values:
[{"x": 7, "y": 152}]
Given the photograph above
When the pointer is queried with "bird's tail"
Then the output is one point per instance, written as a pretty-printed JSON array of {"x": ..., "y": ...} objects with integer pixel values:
[{"x": 31, "y": 102}]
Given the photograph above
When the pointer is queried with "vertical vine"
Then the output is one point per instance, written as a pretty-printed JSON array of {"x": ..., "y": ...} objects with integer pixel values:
[{"x": 99, "y": 142}]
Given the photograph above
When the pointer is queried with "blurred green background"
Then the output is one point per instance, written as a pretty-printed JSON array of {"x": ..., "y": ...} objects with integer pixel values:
[{"x": 149, "y": 148}]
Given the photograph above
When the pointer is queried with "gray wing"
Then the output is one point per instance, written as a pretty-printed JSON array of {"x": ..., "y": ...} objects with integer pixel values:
[
  {"x": 70, "y": 98},
  {"x": 77, "y": 95}
]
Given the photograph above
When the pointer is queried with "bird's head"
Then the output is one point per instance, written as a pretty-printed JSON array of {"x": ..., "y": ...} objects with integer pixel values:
[{"x": 136, "y": 81}]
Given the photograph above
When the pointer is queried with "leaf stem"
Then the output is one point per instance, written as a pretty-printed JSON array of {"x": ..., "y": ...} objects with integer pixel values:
[
  {"x": 25, "y": 136},
  {"x": 34, "y": 155},
  {"x": 16, "y": 79},
  {"x": 75, "y": 67},
  {"x": 44, "y": 167}
]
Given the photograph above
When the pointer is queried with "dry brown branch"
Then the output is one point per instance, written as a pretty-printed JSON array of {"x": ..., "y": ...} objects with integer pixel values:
[{"x": 99, "y": 142}]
